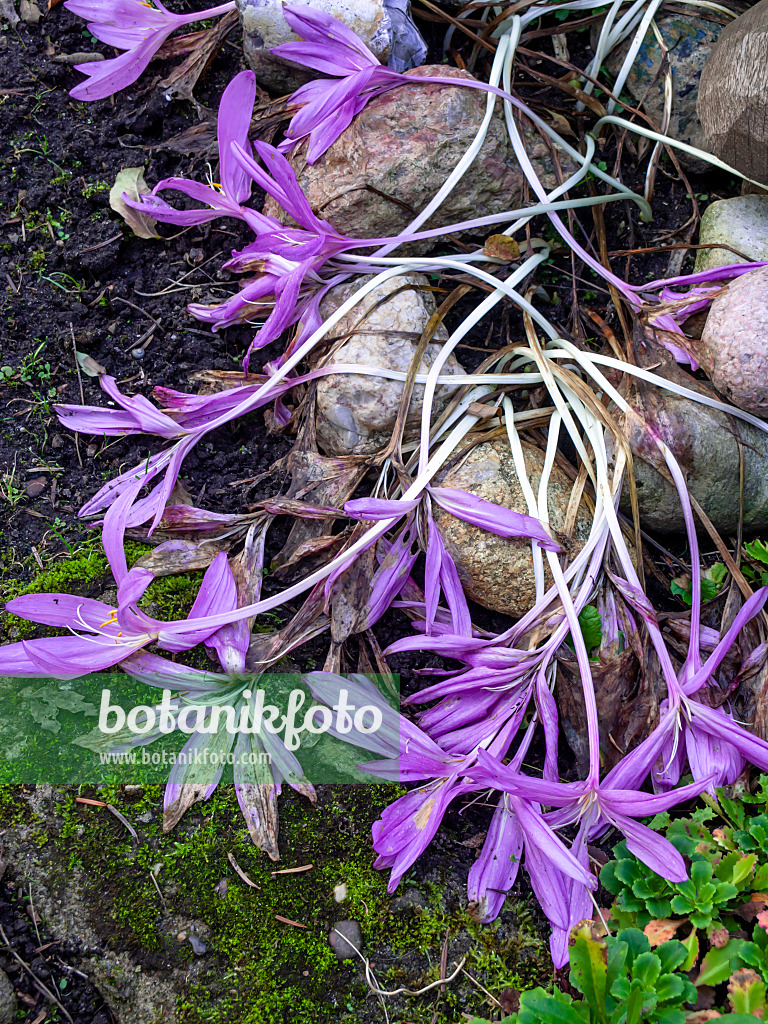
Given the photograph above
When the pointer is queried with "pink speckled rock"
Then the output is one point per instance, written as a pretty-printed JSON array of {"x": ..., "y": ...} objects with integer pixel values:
[
  {"x": 403, "y": 145},
  {"x": 356, "y": 414},
  {"x": 733, "y": 350}
]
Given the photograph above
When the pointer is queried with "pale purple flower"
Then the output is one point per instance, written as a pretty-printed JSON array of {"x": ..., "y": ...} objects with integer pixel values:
[
  {"x": 207, "y": 689},
  {"x": 329, "y": 105},
  {"x": 494, "y": 872},
  {"x": 224, "y": 199},
  {"x": 600, "y": 805},
  {"x": 103, "y": 636},
  {"x": 139, "y": 416},
  {"x": 440, "y": 574},
  {"x": 139, "y": 27}
]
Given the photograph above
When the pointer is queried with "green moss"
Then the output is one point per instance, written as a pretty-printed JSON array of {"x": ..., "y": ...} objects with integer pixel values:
[
  {"x": 72, "y": 576},
  {"x": 257, "y": 969},
  {"x": 169, "y": 597}
]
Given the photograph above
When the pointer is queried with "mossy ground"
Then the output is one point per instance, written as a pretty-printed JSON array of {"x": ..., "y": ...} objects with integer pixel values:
[{"x": 258, "y": 970}]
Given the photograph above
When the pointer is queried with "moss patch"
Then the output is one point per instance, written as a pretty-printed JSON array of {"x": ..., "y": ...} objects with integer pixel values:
[{"x": 257, "y": 969}]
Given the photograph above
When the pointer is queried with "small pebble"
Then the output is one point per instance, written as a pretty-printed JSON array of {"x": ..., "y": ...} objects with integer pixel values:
[
  {"x": 138, "y": 353},
  {"x": 346, "y": 939},
  {"x": 221, "y": 888},
  {"x": 35, "y": 487},
  {"x": 198, "y": 947},
  {"x": 30, "y": 13},
  {"x": 340, "y": 893}
]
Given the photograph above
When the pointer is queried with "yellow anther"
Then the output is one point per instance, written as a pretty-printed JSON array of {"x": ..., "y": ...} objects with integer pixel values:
[{"x": 112, "y": 618}]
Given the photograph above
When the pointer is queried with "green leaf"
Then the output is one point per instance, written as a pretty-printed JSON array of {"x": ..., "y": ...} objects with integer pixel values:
[
  {"x": 758, "y": 550},
  {"x": 591, "y": 626},
  {"x": 647, "y": 968},
  {"x": 540, "y": 1007},
  {"x": 589, "y": 968},
  {"x": 671, "y": 954},
  {"x": 711, "y": 582},
  {"x": 691, "y": 945},
  {"x": 716, "y": 965}
]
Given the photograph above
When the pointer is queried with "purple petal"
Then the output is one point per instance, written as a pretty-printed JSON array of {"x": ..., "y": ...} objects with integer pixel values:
[
  {"x": 62, "y": 610},
  {"x": 376, "y": 509},
  {"x": 494, "y": 872},
  {"x": 492, "y": 517},
  {"x": 652, "y": 849},
  {"x": 235, "y": 112}
]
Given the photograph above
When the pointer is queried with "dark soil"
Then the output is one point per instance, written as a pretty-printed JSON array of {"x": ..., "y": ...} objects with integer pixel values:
[
  {"x": 73, "y": 277},
  {"x": 47, "y": 964}
]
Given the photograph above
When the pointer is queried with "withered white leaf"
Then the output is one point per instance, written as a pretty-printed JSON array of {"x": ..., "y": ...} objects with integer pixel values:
[
  {"x": 131, "y": 181},
  {"x": 89, "y": 365}
]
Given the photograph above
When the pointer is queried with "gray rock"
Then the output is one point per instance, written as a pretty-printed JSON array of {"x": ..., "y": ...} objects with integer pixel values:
[
  {"x": 742, "y": 223},
  {"x": 346, "y": 940},
  {"x": 732, "y": 101},
  {"x": 397, "y": 153},
  {"x": 8, "y": 1004},
  {"x": 688, "y": 41},
  {"x": 497, "y": 572},
  {"x": 705, "y": 444},
  {"x": 356, "y": 413},
  {"x": 198, "y": 947},
  {"x": 264, "y": 26},
  {"x": 733, "y": 350}
]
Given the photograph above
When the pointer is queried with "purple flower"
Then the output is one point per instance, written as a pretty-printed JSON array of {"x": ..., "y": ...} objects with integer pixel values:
[
  {"x": 279, "y": 296},
  {"x": 600, "y": 805},
  {"x": 139, "y": 416},
  {"x": 256, "y": 785},
  {"x": 328, "y": 106},
  {"x": 408, "y": 825},
  {"x": 136, "y": 26},
  {"x": 102, "y": 635},
  {"x": 225, "y": 199},
  {"x": 440, "y": 574},
  {"x": 494, "y": 872}
]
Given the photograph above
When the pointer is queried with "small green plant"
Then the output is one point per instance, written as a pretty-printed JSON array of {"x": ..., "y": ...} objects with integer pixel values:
[
  {"x": 757, "y": 551},
  {"x": 623, "y": 981},
  {"x": 93, "y": 188},
  {"x": 712, "y": 580}
]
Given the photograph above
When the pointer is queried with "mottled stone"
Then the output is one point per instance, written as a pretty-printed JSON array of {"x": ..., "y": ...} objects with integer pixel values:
[
  {"x": 398, "y": 151},
  {"x": 733, "y": 94},
  {"x": 264, "y": 26},
  {"x": 8, "y": 1004},
  {"x": 357, "y": 413},
  {"x": 733, "y": 350},
  {"x": 688, "y": 41},
  {"x": 742, "y": 223},
  {"x": 495, "y": 571},
  {"x": 705, "y": 443}
]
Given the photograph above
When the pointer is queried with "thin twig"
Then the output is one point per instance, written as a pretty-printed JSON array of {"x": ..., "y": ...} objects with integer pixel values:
[
  {"x": 144, "y": 312},
  {"x": 82, "y": 393}
]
